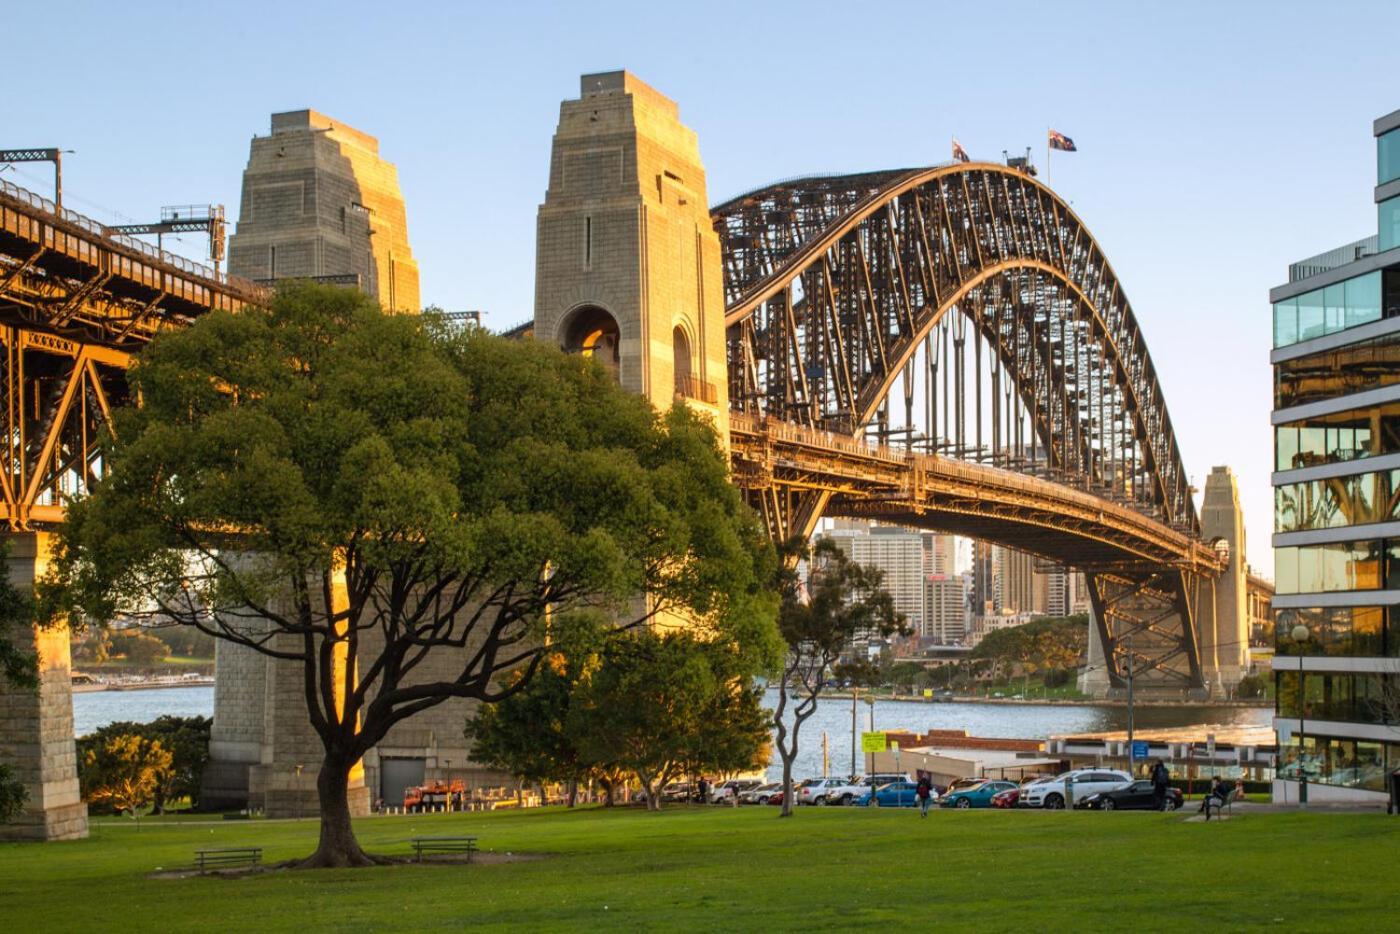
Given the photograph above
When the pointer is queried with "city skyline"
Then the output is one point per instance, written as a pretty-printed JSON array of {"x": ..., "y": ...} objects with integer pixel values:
[{"x": 467, "y": 128}]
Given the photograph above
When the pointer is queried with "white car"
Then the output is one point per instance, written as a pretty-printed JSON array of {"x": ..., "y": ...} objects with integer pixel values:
[
  {"x": 1053, "y": 793},
  {"x": 725, "y": 792},
  {"x": 760, "y": 794},
  {"x": 820, "y": 791}
]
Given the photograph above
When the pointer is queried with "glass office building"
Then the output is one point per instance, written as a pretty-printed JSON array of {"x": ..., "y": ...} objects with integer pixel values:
[{"x": 1336, "y": 419}]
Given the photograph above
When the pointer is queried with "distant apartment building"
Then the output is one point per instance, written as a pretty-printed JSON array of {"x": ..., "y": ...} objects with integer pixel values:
[
  {"x": 920, "y": 574},
  {"x": 1015, "y": 581},
  {"x": 1336, "y": 421}
]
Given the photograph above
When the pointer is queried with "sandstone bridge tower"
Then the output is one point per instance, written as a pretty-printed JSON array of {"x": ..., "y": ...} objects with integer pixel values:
[{"x": 628, "y": 262}]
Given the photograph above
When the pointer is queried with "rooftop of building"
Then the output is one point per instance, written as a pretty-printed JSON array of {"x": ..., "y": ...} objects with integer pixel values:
[
  {"x": 608, "y": 83},
  {"x": 293, "y": 121}
]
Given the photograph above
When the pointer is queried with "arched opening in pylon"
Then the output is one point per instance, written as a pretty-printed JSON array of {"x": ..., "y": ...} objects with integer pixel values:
[{"x": 593, "y": 332}]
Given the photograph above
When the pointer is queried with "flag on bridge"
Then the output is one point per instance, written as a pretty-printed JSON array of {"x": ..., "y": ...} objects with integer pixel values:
[
  {"x": 960, "y": 154},
  {"x": 1061, "y": 142}
]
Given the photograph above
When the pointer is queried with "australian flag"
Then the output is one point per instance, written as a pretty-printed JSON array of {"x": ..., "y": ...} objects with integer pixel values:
[
  {"x": 1062, "y": 142},
  {"x": 959, "y": 154}
]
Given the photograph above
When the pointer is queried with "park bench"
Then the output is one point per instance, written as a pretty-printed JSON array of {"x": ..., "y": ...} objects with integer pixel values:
[
  {"x": 205, "y": 860},
  {"x": 1228, "y": 805},
  {"x": 430, "y": 845}
]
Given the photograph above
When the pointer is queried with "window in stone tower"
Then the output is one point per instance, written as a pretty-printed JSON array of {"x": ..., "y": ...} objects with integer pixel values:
[{"x": 680, "y": 344}]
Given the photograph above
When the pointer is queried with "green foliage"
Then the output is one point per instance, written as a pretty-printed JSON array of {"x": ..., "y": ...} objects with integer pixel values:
[
  {"x": 1049, "y": 643},
  {"x": 653, "y": 704},
  {"x": 139, "y": 647},
  {"x": 123, "y": 772},
  {"x": 1253, "y": 687},
  {"x": 186, "y": 739},
  {"x": 18, "y": 669},
  {"x": 452, "y": 485}
]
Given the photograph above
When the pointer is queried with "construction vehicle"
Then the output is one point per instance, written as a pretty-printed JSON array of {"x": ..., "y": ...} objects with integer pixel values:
[{"x": 435, "y": 795}]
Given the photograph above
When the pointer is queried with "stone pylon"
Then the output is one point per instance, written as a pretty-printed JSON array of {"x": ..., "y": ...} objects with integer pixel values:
[
  {"x": 319, "y": 202},
  {"x": 628, "y": 262},
  {"x": 263, "y": 751},
  {"x": 1224, "y": 640},
  {"x": 36, "y": 727}
]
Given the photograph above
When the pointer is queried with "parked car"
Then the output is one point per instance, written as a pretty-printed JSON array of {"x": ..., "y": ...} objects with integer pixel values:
[
  {"x": 891, "y": 795},
  {"x": 760, "y": 794},
  {"x": 820, "y": 791},
  {"x": 776, "y": 797},
  {"x": 1007, "y": 798},
  {"x": 725, "y": 792},
  {"x": 1136, "y": 796},
  {"x": 975, "y": 796},
  {"x": 849, "y": 791},
  {"x": 1078, "y": 783},
  {"x": 958, "y": 784}
]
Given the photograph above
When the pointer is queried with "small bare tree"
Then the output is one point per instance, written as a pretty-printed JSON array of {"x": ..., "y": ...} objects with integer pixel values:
[{"x": 818, "y": 619}]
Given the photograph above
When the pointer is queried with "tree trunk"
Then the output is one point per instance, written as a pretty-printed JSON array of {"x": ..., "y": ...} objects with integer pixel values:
[{"x": 338, "y": 847}]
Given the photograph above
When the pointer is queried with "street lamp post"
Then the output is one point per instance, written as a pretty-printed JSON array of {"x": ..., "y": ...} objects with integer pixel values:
[{"x": 1301, "y": 635}]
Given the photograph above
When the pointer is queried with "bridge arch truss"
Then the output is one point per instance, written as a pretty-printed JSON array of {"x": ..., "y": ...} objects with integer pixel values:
[{"x": 963, "y": 312}]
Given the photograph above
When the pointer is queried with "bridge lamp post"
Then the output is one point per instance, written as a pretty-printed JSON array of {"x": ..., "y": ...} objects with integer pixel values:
[{"x": 1300, "y": 635}]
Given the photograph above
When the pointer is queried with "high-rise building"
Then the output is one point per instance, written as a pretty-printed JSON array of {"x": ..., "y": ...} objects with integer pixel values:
[
  {"x": 1336, "y": 421},
  {"x": 900, "y": 554},
  {"x": 984, "y": 578},
  {"x": 319, "y": 203},
  {"x": 1015, "y": 581}
]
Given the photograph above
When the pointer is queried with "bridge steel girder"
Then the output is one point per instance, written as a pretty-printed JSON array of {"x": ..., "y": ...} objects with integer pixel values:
[{"x": 834, "y": 283}]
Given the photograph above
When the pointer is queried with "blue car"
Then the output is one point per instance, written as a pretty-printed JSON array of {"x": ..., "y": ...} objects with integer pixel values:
[
  {"x": 976, "y": 796},
  {"x": 893, "y": 795}
]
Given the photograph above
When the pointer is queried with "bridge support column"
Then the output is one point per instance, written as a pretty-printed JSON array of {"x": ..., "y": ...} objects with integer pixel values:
[
  {"x": 36, "y": 727},
  {"x": 1093, "y": 679},
  {"x": 1225, "y": 637},
  {"x": 263, "y": 752}
]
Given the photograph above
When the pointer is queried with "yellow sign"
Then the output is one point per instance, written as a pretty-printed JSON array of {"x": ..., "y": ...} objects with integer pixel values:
[
  {"x": 872, "y": 742},
  {"x": 928, "y": 692}
]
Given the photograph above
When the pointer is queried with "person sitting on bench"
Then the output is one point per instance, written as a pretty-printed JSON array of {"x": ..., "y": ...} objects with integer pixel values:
[{"x": 1218, "y": 797}]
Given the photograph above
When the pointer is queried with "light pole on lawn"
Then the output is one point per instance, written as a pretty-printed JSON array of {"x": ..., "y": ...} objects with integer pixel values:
[{"x": 1301, "y": 635}]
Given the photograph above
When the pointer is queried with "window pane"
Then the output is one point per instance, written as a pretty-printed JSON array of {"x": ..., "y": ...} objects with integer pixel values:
[
  {"x": 1388, "y": 223},
  {"x": 1286, "y": 447},
  {"x": 1286, "y": 323},
  {"x": 1363, "y": 299},
  {"x": 1330, "y": 373},
  {"x": 1388, "y": 157},
  {"x": 1311, "y": 316},
  {"x": 1334, "y": 307}
]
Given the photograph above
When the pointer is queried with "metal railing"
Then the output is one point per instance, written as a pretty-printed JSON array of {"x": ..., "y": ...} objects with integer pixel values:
[
  {"x": 1322, "y": 262},
  {"x": 101, "y": 232},
  {"x": 692, "y": 388}
]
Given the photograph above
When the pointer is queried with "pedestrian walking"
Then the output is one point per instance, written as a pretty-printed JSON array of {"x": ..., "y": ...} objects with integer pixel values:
[
  {"x": 1160, "y": 779},
  {"x": 704, "y": 791},
  {"x": 924, "y": 793}
]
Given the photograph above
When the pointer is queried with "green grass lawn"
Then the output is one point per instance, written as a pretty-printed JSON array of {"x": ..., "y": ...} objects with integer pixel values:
[{"x": 718, "y": 869}]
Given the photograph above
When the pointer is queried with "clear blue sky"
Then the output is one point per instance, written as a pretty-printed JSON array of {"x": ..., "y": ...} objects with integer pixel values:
[{"x": 1218, "y": 142}]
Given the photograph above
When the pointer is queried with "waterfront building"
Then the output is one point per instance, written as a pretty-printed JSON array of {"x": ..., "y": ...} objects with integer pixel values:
[{"x": 1336, "y": 418}]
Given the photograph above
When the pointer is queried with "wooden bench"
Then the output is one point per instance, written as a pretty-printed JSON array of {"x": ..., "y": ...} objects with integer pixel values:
[
  {"x": 430, "y": 845},
  {"x": 205, "y": 860}
]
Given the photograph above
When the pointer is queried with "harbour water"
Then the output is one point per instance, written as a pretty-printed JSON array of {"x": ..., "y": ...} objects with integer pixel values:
[{"x": 1022, "y": 721}]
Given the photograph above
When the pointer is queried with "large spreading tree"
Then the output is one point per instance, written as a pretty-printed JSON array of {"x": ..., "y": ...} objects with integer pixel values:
[
  {"x": 820, "y": 617},
  {"x": 399, "y": 509}
]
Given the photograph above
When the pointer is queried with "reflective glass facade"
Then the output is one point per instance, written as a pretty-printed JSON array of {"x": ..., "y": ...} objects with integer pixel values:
[
  {"x": 1334, "y": 760},
  {"x": 1337, "y": 502},
  {"x": 1357, "y": 631},
  {"x": 1328, "y": 310},
  {"x": 1335, "y": 566},
  {"x": 1346, "y": 697},
  {"x": 1363, "y": 568},
  {"x": 1338, "y": 437},
  {"x": 1338, "y": 372}
]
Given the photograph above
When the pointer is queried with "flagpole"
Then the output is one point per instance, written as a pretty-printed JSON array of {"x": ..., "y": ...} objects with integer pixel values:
[{"x": 1047, "y": 157}]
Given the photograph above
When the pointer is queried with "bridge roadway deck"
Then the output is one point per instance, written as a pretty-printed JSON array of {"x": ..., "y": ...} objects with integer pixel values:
[
  {"x": 69, "y": 275},
  {"x": 1068, "y": 525}
]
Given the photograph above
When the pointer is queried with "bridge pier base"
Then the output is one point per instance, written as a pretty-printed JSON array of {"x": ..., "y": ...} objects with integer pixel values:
[
  {"x": 36, "y": 727},
  {"x": 1093, "y": 677}
]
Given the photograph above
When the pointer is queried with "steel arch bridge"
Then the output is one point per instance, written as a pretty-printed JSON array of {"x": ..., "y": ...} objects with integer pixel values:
[{"x": 964, "y": 320}]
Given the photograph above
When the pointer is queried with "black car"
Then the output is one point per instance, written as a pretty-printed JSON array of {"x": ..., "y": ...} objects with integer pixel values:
[{"x": 1136, "y": 796}]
